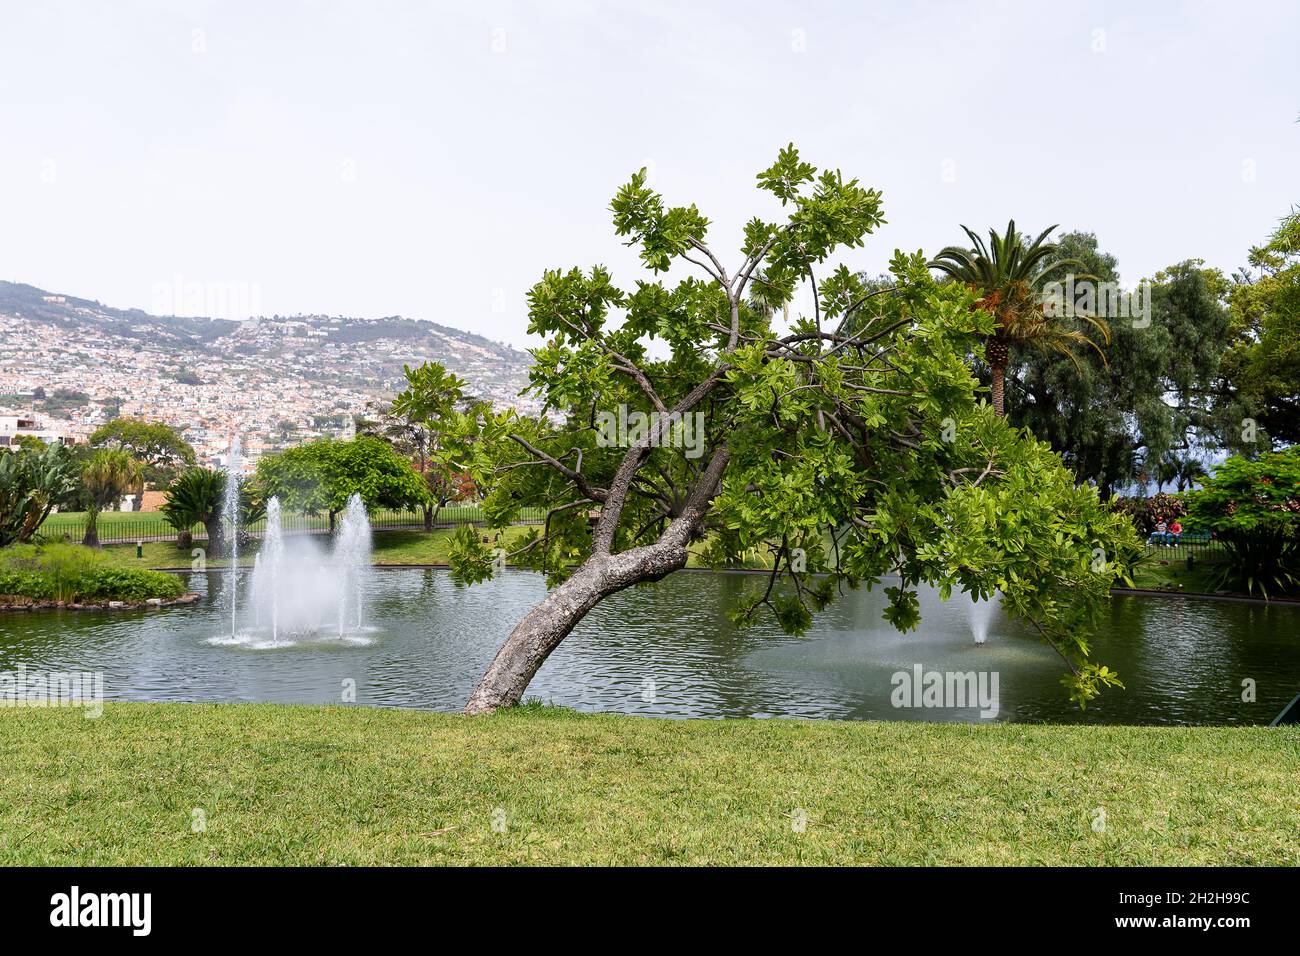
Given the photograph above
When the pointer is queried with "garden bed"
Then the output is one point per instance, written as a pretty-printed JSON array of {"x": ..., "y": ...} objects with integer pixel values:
[{"x": 60, "y": 575}]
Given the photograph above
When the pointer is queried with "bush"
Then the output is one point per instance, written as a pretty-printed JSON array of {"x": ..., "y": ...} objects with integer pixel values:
[
  {"x": 1253, "y": 507},
  {"x": 70, "y": 573}
]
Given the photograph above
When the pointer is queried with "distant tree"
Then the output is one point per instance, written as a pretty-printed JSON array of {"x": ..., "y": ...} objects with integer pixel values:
[
  {"x": 320, "y": 476},
  {"x": 436, "y": 423},
  {"x": 108, "y": 475},
  {"x": 28, "y": 443},
  {"x": 159, "y": 448},
  {"x": 1008, "y": 277},
  {"x": 1261, "y": 370},
  {"x": 1113, "y": 418}
]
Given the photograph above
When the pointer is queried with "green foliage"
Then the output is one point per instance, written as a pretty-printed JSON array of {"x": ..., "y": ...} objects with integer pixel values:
[
  {"x": 855, "y": 447},
  {"x": 1262, "y": 366},
  {"x": 33, "y": 481},
  {"x": 1253, "y": 507},
  {"x": 436, "y": 423},
  {"x": 320, "y": 476},
  {"x": 106, "y": 476},
  {"x": 1009, "y": 276},
  {"x": 197, "y": 496},
  {"x": 1115, "y": 418},
  {"x": 156, "y": 445},
  {"x": 71, "y": 573}
]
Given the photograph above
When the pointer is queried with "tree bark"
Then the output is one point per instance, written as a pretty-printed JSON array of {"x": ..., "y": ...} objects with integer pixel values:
[
  {"x": 549, "y": 623},
  {"x": 91, "y": 537},
  {"x": 602, "y": 574},
  {"x": 998, "y": 352},
  {"x": 428, "y": 518},
  {"x": 215, "y": 542}
]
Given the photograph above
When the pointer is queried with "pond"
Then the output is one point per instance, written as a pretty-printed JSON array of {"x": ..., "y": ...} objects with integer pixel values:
[{"x": 668, "y": 649}]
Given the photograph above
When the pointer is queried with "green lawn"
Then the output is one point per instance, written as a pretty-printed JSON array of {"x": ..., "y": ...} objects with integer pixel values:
[
  {"x": 312, "y": 785},
  {"x": 126, "y": 523},
  {"x": 390, "y": 547}
]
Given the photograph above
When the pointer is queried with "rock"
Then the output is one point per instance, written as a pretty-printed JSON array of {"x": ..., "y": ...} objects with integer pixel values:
[
  {"x": 116, "y": 604},
  {"x": 154, "y": 602}
]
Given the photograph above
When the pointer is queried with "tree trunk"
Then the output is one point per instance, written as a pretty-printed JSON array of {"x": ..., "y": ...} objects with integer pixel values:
[
  {"x": 91, "y": 537},
  {"x": 998, "y": 353},
  {"x": 214, "y": 537},
  {"x": 601, "y": 575},
  {"x": 549, "y": 623},
  {"x": 428, "y": 518}
]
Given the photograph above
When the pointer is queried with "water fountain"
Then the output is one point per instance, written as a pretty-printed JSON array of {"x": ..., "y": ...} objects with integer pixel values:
[
  {"x": 299, "y": 591},
  {"x": 981, "y": 612},
  {"x": 352, "y": 562},
  {"x": 230, "y": 511}
]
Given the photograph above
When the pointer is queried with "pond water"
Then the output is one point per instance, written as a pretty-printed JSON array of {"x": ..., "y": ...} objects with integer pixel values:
[{"x": 668, "y": 649}]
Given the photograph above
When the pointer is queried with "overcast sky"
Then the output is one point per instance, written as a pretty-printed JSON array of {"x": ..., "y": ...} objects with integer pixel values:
[{"x": 431, "y": 159}]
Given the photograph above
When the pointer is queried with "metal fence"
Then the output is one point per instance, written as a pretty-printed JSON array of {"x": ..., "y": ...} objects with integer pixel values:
[
  {"x": 1170, "y": 547},
  {"x": 121, "y": 527}
]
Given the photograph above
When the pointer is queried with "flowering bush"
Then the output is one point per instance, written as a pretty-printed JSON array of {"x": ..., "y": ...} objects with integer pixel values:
[{"x": 1253, "y": 507}]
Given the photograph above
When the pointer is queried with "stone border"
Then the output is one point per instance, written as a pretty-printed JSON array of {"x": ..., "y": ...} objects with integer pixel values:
[{"x": 101, "y": 606}]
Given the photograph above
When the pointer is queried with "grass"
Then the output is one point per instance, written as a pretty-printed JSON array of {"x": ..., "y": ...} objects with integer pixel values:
[
  {"x": 390, "y": 548},
  {"x": 1159, "y": 573},
  {"x": 396, "y": 548},
  {"x": 123, "y": 524},
  {"x": 356, "y": 786}
]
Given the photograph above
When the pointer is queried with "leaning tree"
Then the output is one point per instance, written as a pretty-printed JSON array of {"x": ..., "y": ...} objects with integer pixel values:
[{"x": 849, "y": 447}]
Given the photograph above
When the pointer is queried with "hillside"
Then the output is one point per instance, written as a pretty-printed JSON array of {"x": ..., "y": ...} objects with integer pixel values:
[{"x": 74, "y": 363}]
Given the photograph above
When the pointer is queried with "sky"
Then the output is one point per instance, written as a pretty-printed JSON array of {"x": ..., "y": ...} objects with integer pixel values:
[{"x": 432, "y": 159}]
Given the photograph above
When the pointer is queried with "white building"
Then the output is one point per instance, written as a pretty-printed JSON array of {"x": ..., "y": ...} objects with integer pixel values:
[{"x": 13, "y": 427}]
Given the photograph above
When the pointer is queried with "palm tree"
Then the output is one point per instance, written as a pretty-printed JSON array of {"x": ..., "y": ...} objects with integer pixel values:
[
  {"x": 1009, "y": 278},
  {"x": 196, "y": 497},
  {"x": 107, "y": 475}
]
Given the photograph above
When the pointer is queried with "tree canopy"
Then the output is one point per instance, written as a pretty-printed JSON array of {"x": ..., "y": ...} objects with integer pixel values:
[
  {"x": 321, "y": 475},
  {"x": 1118, "y": 416},
  {"x": 1261, "y": 369},
  {"x": 435, "y": 422},
  {"x": 850, "y": 447},
  {"x": 159, "y": 447}
]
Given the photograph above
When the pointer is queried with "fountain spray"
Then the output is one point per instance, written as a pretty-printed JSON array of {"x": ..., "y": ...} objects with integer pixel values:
[{"x": 230, "y": 511}]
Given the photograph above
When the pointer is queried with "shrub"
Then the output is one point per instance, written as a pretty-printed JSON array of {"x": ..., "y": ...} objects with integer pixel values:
[
  {"x": 70, "y": 573},
  {"x": 1253, "y": 507}
]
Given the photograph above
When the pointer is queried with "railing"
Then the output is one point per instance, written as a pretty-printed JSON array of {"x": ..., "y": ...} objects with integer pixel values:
[
  {"x": 1168, "y": 547},
  {"x": 125, "y": 527}
]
